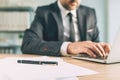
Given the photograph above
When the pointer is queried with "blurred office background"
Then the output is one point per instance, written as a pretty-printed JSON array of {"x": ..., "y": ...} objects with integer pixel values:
[{"x": 17, "y": 15}]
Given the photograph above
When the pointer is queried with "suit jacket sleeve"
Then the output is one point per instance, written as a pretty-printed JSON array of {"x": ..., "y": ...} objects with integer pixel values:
[{"x": 35, "y": 40}]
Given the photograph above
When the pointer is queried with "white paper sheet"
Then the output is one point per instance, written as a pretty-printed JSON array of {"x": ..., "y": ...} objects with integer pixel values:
[{"x": 11, "y": 70}]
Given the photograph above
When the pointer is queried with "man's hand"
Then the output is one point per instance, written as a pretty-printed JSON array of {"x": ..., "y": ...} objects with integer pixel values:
[{"x": 92, "y": 49}]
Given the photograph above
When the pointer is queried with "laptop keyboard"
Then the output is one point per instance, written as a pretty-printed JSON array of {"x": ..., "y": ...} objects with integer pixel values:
[{"x": 87, "y": 56}]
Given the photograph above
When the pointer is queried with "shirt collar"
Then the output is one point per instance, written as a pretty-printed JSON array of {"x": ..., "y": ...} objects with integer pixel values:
[{"x": 64, "y": 12}]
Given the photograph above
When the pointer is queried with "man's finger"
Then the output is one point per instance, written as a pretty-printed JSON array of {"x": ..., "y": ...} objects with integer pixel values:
[{"x": 101, "y": 49}]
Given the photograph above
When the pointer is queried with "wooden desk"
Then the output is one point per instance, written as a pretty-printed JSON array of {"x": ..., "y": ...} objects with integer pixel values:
[{"x": 106, "y": 72}]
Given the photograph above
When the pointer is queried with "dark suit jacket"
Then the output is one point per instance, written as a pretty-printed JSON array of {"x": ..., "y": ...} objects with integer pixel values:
[{"x": 45, "y": 35}]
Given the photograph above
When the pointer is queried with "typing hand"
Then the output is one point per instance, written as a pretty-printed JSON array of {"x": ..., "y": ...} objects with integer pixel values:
[
  {"x": 92, "y": 49},
  {"x": 106, "y": 47}
]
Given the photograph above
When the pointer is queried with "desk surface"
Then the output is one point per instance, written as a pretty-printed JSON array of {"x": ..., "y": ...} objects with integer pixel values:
[{"x": 106, "y": 71}]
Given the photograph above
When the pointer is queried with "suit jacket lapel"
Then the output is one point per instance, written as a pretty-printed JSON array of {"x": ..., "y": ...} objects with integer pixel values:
[
  {"x": 81, "y": 24},
  {"x": 58, "y": 18}
]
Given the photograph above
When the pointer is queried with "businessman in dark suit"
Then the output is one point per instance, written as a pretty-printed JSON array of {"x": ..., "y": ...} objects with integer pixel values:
[{"x": 50, "y": 32}]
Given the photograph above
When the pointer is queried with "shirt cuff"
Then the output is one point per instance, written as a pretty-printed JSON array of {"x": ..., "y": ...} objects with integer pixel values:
[{"x": 63, "y": 49}]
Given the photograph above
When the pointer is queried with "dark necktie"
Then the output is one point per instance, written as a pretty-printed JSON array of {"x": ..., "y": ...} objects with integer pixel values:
[{"x": 72, "y": 30}]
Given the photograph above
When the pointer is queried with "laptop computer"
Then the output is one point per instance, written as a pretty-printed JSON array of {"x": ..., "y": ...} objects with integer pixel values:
[{"x": 113, "y": 57}]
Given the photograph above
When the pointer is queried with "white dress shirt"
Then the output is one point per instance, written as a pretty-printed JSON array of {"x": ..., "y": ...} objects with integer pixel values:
[{"x": 65, "y": 19}]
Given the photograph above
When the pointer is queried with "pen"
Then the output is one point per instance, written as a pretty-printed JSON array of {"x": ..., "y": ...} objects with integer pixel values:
[{"x": 38, "y": 62}]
